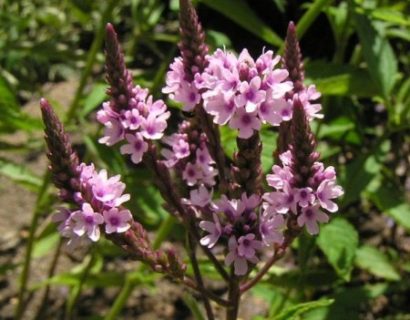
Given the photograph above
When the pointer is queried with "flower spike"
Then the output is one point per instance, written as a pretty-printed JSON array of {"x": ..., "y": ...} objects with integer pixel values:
[
  {"x": 119, "y": 78},
  {"x": 292, "y": 59},
  {"x": 63, "y": 160}
]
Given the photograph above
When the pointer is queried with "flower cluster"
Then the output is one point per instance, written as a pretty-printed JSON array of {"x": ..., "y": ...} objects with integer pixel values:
[
  {"x": 234, "y": 222},
  {"x": 99, "y": 199},
  {"x": 189, "y": 155},
  {"x": 305, "y": 202},
  {"x": 143, "y": 120},
  {"x": 237, "y": 90}
]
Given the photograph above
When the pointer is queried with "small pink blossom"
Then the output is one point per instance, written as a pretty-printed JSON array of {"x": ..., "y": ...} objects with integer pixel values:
[
  {"x": 326, "y": 191},
  {"x": 200, "y": 197},
  {"x": 153, "y": 126},
  {"x": 214, "y": 229},
  {"x": 305, "y": 197},
  {"x": 117, "y": 220},
  {"x": 192, "y": 174},
  {"x": 245, "y": 122},
  {"x": 108, "y": 190},
  {"x": 250, "y": 95},
  {"x": 310, "y": 217},
  {"x": 271, "y": 228},
  {"x": 87, "y": 222},
  {"x": 132, "y": 119},
  {"x": 136, "y": 147},
  {"x": 114, "y": 132},
  {"x": 280, "y": 176}
]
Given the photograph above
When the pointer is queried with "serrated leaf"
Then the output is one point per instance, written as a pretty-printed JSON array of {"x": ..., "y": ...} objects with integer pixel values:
[
  {"x": 374, "y": 261},
  {"x": 295, "y": 311},
  {"x": 378, "y": 53},
  {"x": 20, "y": 174},
  {"x": 240, "y": 12},
  {"x": 339, "y": 240}
]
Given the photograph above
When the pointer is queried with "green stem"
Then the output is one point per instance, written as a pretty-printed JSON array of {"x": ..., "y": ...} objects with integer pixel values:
[
  {"x": 163, "y": 232},
  {"x": 234, "y": 295},
  {"x": 53, "y": 266},
  {"x": 121, "y": 299},
  {"x": 76, "y": 291},
  {"x": 310, "y": 16},
  {"x": 30, "y": 245},
  {"x": 198, "y": 277},
  {"x": 95, "y": 48}
]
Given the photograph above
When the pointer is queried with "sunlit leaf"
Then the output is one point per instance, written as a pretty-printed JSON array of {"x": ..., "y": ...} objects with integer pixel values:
[
  {"x": 20, "y": 174},
  {"x": 294, "y": 312},
  {"x": 339, "y": 240},
  {"x": 374, "y": 261},
  {"x": 378, "y": 53}
]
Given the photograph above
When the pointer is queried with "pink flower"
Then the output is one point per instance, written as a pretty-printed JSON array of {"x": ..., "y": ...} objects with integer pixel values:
[
  {"x": 271, "y": 228},
  {"x": 306, "y": 97},
  {"x": 174, "y": 77},
  {"x": 117, "y": 220},
  {"x": 247, "y": 246},
  {"x": 132, "y": 119},
  {"x": 214, "y": 229},
  {"x": 326, "y": 191},
  {"x": 192, "y": 174},
  {"x": 108, "y": 190},
  {"x": 188, "y": 95},
  {"x": 305, "y": 197},
  {"x": 180, "y": 148},
  {"x": 285, "y": 110},
  {"x": 87, "y": 222},
  {"x": 221, "y": 105},
  {"x": 113, "y": 133},
  {"x": 106, "y": 114},
  {"x": 268, "y": 112},
  {"x": 203, "y": 157},
  {"x": 136, "y": 147},
  {"x": 250, "y": 95},
  {"x": 280, "y": 176},
  {"x": 63, "y": 217},
  {"x": 228, "y": 207},
  {"x": 242, "y": 251},
  {"x": 310, "y": 217},
  {"x": 153, "y": 126},
  {"x": 245, "y": 122},
  {"x": 200, "y": 197}
]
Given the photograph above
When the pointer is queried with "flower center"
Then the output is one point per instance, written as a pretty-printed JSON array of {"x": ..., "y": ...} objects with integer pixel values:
[
  {"x": 89, "y": 219},
  {"x": 114, "y": 221}
]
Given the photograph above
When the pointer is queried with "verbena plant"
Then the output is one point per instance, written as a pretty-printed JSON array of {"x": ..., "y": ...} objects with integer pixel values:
[{"x": 227, "y": 209}]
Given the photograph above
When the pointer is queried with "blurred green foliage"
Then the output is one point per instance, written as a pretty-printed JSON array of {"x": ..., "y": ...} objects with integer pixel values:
[{"x": 356, "y": 52}]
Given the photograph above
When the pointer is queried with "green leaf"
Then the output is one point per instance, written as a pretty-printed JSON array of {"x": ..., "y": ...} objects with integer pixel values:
[
  {"x": 358, "y": 174},
  {"x": 339, "y": 240},
  {"x": 94, "y": 98},
  {"x": 375, "y": 262},
  {"x": 44, "y": 245},
  {"x": 193, "y": 305},
  {"x": 378, "y": 53},
  {"x": 387, "y": 197},
  {"x": 239, "y": 12},
  {"x": 340, "y": 80},
  {"x": 295, "y": 311},
  {"x": 20, "y": 174}
]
